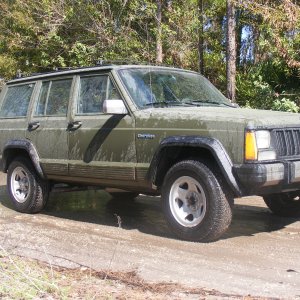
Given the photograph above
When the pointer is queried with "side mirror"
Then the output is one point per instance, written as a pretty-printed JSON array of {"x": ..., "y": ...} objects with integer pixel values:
[{"x": 116, "y": 107}]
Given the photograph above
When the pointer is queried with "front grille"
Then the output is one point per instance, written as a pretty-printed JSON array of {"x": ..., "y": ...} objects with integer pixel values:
[{"x": 287, "y": 141}]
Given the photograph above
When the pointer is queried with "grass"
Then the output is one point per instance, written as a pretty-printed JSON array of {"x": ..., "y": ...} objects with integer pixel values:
[
  {"x": 23, "y": 278},
  {"x": 26, "y": 279}
]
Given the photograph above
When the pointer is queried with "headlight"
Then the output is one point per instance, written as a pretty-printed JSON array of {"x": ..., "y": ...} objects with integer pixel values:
[
  {"x": 263, "y": 139},
  {"x": 258, "y": 146}
]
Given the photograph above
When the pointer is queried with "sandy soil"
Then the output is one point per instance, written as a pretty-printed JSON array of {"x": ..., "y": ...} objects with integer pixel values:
[{"x": 259, "y": 256}]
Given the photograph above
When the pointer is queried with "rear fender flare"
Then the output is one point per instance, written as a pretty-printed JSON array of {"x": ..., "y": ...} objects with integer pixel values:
[{"x": 22, "y": 145}]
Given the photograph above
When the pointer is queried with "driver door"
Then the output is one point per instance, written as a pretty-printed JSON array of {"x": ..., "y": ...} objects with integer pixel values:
[{"x": 101, "y": 146}]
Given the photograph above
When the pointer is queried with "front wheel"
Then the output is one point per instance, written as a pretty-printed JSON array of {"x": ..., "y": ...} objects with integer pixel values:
[
  {"x": 194, "y": 202},
  {"x": 284, "y": 204},
  {"x": 28, "y": 192}
]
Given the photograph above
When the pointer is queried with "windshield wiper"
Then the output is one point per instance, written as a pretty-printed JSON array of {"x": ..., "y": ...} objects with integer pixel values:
[
  {"x": 198, "y": 103},
  {"x": 165, "y": 103}
]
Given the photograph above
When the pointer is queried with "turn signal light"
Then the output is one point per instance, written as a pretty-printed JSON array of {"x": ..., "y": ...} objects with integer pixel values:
[{"x": 250, "y": 146}]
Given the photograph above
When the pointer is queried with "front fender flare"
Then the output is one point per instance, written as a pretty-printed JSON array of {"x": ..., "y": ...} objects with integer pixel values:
[{"x": 213, "y": 145}]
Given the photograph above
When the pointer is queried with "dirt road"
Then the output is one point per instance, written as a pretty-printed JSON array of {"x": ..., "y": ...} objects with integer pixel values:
[{"x": 260, "y": 254}]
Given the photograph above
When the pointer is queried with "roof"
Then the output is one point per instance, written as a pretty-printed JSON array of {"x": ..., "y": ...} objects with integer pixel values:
[
  {"x": 60, "y": 72},
  {"x": 74, "y": 71}
]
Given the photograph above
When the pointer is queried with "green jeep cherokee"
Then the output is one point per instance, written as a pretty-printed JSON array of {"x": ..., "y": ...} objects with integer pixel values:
[{"x": 150, "y": 130}]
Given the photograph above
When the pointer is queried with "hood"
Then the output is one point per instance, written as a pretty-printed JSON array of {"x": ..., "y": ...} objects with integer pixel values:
[{"x": 247, "y": 117}]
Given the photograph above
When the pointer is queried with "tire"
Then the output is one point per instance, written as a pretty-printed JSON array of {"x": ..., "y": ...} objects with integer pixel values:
[
  {"x": 124, "y": 195},
  {"x": 28, "y": 192},
  {"x": 284, "y": 204},
  {"x": 194, "y": 202}
]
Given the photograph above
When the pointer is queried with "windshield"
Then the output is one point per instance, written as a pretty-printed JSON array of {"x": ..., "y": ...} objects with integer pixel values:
[{"x": 154, "y": 87}]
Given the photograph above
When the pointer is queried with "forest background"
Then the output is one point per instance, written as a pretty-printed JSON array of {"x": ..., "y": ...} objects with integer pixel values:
[{"x": 252, "y": 46}]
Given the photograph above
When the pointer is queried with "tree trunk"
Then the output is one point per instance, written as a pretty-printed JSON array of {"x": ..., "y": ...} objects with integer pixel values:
[
  {"x": 159, "y": 54},
  {"x": 231, "y": 51},
  {"x": 240, "y": 58},
  {"x": 256, "y": 50},
  {"x": 201, "y": 37},
  {"x": 169, "y": 5}
]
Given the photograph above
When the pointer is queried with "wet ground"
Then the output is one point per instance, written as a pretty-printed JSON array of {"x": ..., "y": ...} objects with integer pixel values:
[{"x": 259, "y": 255}]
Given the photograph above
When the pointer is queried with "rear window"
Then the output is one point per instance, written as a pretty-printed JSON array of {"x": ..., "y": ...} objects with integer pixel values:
[{"x": 16, "y": 101}]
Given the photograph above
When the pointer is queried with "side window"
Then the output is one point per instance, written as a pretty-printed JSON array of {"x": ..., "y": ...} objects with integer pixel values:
[
  {"x": 16, "y": 101},
  {"x": 41, "y": 105},
  {"x": 54, "y": 98},
  {"x": 112, "y": 92},
  {"x": 93, "y": 91}
]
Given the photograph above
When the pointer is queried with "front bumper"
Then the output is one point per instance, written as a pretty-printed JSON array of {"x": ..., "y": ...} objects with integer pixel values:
[{"x": 266, "y": 178}]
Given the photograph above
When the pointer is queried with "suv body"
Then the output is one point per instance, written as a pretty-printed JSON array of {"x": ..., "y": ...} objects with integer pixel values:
[{"x": 151, "y": 130}]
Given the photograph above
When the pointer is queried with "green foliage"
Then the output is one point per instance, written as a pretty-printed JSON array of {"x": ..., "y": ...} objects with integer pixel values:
[
  {"x": 8, "y": 66},
  {"x": 285, "y": 104},
  {"x": 253, "y": 91},
  {"x": 38, "y": 36}
]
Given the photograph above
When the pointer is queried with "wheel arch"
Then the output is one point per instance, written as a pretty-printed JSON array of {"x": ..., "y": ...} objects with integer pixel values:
[
  {"x": 14, "y": 148},
  {"x": 175, "y": 148}
]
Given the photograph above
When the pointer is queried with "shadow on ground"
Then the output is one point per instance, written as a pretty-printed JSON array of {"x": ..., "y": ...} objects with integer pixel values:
[{"x": 144, "y": 213}]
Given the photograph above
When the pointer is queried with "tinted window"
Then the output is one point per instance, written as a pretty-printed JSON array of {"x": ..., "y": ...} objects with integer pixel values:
[
  {"x": 54, "y": 98},
  {"x": 93, "y": 91},
  {"x": 16, "y": 101}
]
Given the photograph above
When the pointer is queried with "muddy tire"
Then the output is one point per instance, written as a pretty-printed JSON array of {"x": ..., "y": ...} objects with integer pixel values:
[
  {"x": 28, "y": 192},
  {"x": 194, "y": 202},
  {"x": 284, "y": 204}
]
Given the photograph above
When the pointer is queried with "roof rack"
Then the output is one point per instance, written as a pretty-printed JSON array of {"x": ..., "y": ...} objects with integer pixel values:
[
  {"x": 99, "y": 63},
  {"x": 102, "y": 62},
  {"x": 56, "y": 69}
]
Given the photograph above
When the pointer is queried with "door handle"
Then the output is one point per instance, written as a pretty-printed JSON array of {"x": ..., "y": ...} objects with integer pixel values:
[
  {"x": 33, "y": 125},
  {"x": 74, "y": 125}
]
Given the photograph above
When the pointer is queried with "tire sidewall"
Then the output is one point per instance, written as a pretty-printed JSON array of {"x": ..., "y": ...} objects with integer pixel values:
[
  {"x": 31, "y": 204},
  {"x": 210, "y": 185}
]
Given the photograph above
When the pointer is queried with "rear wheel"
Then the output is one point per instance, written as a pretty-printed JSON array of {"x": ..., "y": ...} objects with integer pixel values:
[
  {"x": 284, "y": 204},
  {"x": 194, "y": 202},
  {"x": 28, "y": 192}
]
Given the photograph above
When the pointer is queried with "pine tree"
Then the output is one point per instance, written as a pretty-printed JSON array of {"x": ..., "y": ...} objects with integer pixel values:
[{"x": 231, "y": 51}]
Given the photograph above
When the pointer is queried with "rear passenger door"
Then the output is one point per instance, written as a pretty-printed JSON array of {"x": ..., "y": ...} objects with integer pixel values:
[
  {"x": 101, "y": 146},
  {"x": 47, "y": 126}
]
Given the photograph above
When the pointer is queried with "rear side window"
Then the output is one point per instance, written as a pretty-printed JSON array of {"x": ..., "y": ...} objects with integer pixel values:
[
  {"x": 16, "y": 101},
  {"x": 54, "y": 98}
]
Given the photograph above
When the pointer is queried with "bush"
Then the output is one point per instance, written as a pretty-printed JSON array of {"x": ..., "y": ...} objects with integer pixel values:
[
  {"x": 285, "y": 104},
  {"x": 254, "y": 92}
]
